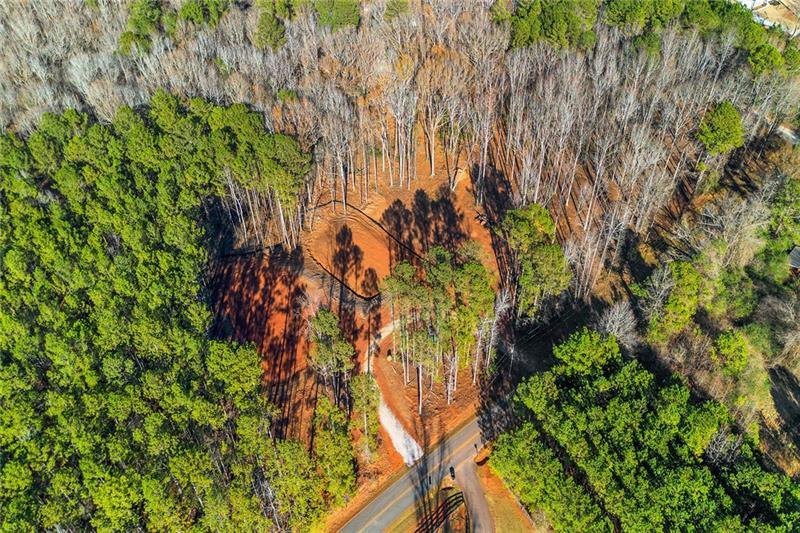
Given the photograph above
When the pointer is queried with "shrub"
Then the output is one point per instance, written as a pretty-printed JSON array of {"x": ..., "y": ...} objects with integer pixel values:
[
  {"x": 142, "y": 23},
  {"x": 270, "y": 31},
  {"x": 680, "y": 306},
  {"x": 286, "y": 95},
  {"x": 395, "y": 8}
]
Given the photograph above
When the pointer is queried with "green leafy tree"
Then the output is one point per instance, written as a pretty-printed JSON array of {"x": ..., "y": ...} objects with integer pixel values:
[
  {"x": 331, "y": 356},
  {"x": 783, "y": 232},
  {"x": 765, "y": 58},
  {"x": 542, "y": 267},
  {"x": 270, "y": 30},
  {"x": 445, "y": 312},
  {"x": 333, "y": 451},
  {"x": 680, "y": 306},
  {"x": 640, "y": 446},
  {"x": 699, "y": 14},
  {"x": 643, "y": 19},
  {"x": 203, "y": 11},
  {"x": 532, "y": 471},
  {"x": 143, "y": 21},
  {"x": 119, "y": 411},
  {"x": 395, "y": 8},
  {"x": 734, "y": 294},
  {"x": 563, "y": 24},
  {"x": 721, "y": 129},
  {"x": 586, "y": 353},
  {"x": 366, "y": 397},
  {"x": 297, "y": 484},
  {"x": 338, "y": 14},
  {"x": 791, "y": 58},
  {"x": 731, "y": 352}
]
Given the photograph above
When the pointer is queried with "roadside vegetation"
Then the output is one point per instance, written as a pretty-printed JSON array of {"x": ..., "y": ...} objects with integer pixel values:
[{"x": 641, "y": 453}]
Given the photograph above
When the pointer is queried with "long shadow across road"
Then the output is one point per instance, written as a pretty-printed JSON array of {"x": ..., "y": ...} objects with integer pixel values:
[{"x": 457, "y": 451}]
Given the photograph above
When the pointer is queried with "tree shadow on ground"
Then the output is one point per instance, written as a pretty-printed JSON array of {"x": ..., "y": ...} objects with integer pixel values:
[
  {"x": 785, "y": 391},
  {"x": 259, "y": 299},
  {"x": 429, "y": 471},
  {"x": 371, "y": 332},
  {"x": 428, "y": 222},
  {"x": 497, "y": 193},
  {"x": 526, "y": 349},
  {"x": 440, "y": 518},
  {"x": 497, "y": 200},
  {"x": 747, "y": 166},
  {"x": 347, "y": 262},
  {"x": 219, "y": 230},
  {"x": 347, "y": 257}
]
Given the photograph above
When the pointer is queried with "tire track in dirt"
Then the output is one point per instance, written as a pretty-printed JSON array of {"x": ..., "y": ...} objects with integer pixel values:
[
  {"x": 355, "y": 216},
  {"x": 380, "y": 226}
]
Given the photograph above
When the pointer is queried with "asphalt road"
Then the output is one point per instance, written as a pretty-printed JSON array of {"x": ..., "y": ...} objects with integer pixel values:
[{"x": 457, "y": 451}]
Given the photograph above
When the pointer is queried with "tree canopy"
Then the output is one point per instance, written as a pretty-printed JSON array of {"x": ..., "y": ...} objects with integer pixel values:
[
  {"x": 331, "y": 355},
  {"x": 444, "y": 312},
  {"x": 681, "y": 303},
  {"x": 542, "y": 267},
  {"x": 563, "y": 24},
  {"x": 647, "y": 453},
  {"x": 366, "y": 397},
  {"x": 721, "y": 129},
  {"x": 118, "y": 410}
]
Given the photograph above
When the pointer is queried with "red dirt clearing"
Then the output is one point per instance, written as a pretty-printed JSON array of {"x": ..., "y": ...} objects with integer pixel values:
[
  {"x": 266, "y": 300},
  {"x": 261, "y": 299},
  {"x": 360, "y": 246}
]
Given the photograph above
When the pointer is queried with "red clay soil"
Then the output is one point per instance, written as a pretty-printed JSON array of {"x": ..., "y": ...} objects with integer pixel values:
[
  {"x": 266, "y": 300},
  {"x": 395, "y": 223},
  {"x": 260, "y": 300}
]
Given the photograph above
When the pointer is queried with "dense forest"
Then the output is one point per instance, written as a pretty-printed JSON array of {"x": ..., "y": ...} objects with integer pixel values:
[
  {"x": 643, "y": 456},
  {"x": 118, "y": 410},
  {"x": 604, "y": 139}
]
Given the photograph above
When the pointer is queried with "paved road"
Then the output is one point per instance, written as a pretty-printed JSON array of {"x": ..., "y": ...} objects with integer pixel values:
[
  {"x": 467, "y": 478},
  {"x": 457, "y": 451}
]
